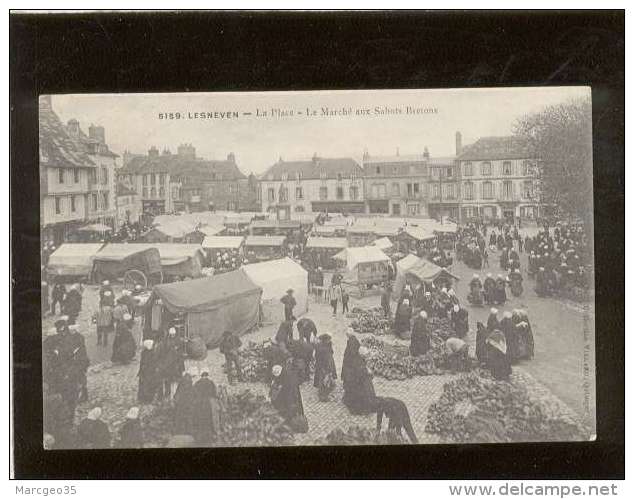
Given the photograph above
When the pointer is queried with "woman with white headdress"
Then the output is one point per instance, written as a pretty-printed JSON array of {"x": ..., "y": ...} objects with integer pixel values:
[
  {"x": 496, "y": 356},
  {"x": 131, "y": 432},
  {"x": 92, "y": 432},
  {"x": 148, "y": 373}
]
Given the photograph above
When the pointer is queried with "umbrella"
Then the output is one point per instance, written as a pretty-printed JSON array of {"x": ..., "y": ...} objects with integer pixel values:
[{"x": 498, "y": 340}]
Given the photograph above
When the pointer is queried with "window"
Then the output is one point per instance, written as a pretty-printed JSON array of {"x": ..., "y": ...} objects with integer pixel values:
[
  {"x": 95, "y": 207},
  {"x": 507, "y": 168},
  {"x": 413, "y": 209},
  {"x": 378, "y": 170},
  {"x": 507, "y": 189},
  {"x": 271, "y": 194},
  {"x": 396, "y": 209},
  {"x": 451, "y": 192},
  {"x": 323, "y": 175},
  {"x": 323, "y": 193},
  {"x": 105, "y": 202},
  {"x": 409, "y": 190},
  {"x": 378, "y": 190},
  {"x": 58, "y": 206},
  {"x": 92, "y": 176},
  {"x": 468, "y": 169},
  {"x": 283, "y": 194},
  {"x": 145, "y": 192},
  {"x": 162, "y": 178},
  {"x": 396, "y": 189},
  {"x": 416, "y": 189},
  {"x": 299, "y": 208},
  {"x": 145, "y": 179},
  {"x": 339, "y": 192},
  {"x": 60, "y": 175},
  {"x": 449, "y": 172},
  {"x": 210, "y": 191},
  {"x": 468, "y": 190},
  {"x": 299, "y": 193},
  {"x": 436, "y": 191},
  {"x": 153, "y": 192},
  {"x": 339, "y": 177},
  {"x": 104, "y": 175},
  {"x": 527, "y": 168},
  {"x": 72, "y": 204},
  {"x": 354, "y": 192},
  {"x": 527, "y": 189},
  {"x": 284, "y": 176},
  {"x": 485, "y": 168},
  {"x": 487, "y": 190},
  {"x": 161, "y": 192},
  {"x": 76, "y": 176}
]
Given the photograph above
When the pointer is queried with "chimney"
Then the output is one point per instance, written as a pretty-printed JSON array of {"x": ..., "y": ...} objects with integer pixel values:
[
  {"x": 458, "y": 143},
  {"x": 97, "y": 133},
  {"x": 187, "y": 151},
  {"x": 366, "y": 154},
  {"x": 166, "y": 152},
  {"x": 153, "y": 152},
  {"x": 45, "y": 102},
  {"x": 73, "y": 127},
  {"x": 231, "y": 158},
  {"x": 426, "y": 153}
]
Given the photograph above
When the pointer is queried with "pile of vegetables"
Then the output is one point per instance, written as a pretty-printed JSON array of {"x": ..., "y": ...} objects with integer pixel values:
[
  {"x": 440, "y": 327},
  {"x": 393, "y": 361},
  {"x": 370, "y": 321},
  {"x": 253, "y": 361},
  {"x": 358, "y": 435},
  {"x": 476, "y": 409},
  {"x": 251, "y": 420}
]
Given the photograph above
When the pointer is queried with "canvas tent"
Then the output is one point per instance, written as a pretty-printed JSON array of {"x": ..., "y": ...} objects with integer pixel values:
[
  {"x": 275, "y": 277},
  {"x": 384, "y": 244},
  {"x": 211, "y": 305},
  {"x": 366, "y": 265},
  {"x": 73, "y": 259},
  {"x": 402, "y": 266},
  {"x": 361, "y": 255},
  {"x": 183, "y": 260},
  {"x": 427, "y": 273}
]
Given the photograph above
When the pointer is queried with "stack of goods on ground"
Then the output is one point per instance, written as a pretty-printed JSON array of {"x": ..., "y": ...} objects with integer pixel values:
[
  {"x": 253, "y": 361},
  {"x": 358, "y": 435},
  {"x": 475, "y": 408},
  {"x": 441, "y": 327},
  {"x": 248, "y": 420},
  {"x": 370, "y": 321},
  {"x": 393, "y": 361}
]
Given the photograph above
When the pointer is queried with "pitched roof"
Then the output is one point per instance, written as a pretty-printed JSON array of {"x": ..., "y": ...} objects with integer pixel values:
[
  {"x": 495, "y": 148},
  {"x": 86, "y": 141},
  {"x": 185, "y": 166},
  {"x": 57, "y": 148},
  {"x": 313, "y": 169},
  {"x": 124, "y": 190}
]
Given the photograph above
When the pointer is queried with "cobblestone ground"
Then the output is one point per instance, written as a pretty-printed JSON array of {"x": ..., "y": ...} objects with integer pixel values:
[{"x": 114, "y": 387}]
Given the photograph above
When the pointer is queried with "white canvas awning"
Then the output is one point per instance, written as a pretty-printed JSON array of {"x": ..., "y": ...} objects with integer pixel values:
[
  {"x": 222, "y": 242},
  {"x": 363, "y": 254}
]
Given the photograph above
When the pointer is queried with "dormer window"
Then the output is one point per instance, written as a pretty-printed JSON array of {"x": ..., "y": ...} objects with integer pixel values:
[{"x": 284, "y": 176}]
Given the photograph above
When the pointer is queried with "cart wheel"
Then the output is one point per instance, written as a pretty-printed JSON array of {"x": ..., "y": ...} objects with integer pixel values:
[{"x": 133, "y": 277}]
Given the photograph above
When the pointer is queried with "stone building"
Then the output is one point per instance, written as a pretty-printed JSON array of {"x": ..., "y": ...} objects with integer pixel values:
[
  {"x": 499, "y": 179},
  {"x": 313, "y": 185}
]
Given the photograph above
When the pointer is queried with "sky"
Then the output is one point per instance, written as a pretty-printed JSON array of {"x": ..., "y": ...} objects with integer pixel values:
[{"x": 132, "y": 121}]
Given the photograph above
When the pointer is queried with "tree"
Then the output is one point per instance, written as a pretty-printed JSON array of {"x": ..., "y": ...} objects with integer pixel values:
[{"x": 560, "y": 137}]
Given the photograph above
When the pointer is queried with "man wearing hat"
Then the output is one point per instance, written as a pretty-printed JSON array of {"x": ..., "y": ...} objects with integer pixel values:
[
  {"x": 289, "y": 302},
  {"x": 105, "y": 286},
  {"x": 57, "y": 296},
  {"x": 79, "y": 361},
  {"x": 104, "y": 320}
]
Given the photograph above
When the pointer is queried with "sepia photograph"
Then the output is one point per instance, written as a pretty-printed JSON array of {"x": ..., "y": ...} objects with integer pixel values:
[{"x": 262, "y": 269}]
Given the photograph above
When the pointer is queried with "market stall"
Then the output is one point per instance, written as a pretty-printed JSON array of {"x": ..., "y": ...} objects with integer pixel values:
[
  {"x": 134, "y": 263},
  {"x": 263, "y": 248},
  {"x": 220, "y": 250},
  {"x": 329, "y": 230},
  {"x": 319, "y": 251},
  {"x": 180, "y": 260},
  {"x": 209, "y": 306},
  {"x": 72, "y": 262},
  {"x": 365, "y": 266},
  {"x": 275, "y": 277},
  {"x": 416, "y": 240},
  {"x": 360, "y": 235},
  {"x": 180, "y": 231},
  {"x": 402, "y": 266},
  {"x": 428, "y": 273}
]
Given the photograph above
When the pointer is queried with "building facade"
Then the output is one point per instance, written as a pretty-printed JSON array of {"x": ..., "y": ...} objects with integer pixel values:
[
  {"x": 499, "y": 179},
  {"x": 128, "y": 207},
  {"x": 168, "y": 183},
  {"x": 76, "y": 176},
  {"x": 313, "y": 185},
  {"x": 396, "y": 185}
]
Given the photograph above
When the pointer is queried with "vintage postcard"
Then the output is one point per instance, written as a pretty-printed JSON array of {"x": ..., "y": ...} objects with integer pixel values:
[{"x": 317, "y": 268}]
